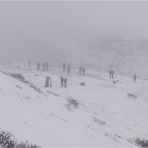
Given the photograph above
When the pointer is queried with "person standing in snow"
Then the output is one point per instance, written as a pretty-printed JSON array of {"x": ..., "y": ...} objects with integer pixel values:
[
  {"x": 29, "y": 64},
  {"x": 38, "y": 65},
  {"x": 68, "y": 69},
  {"x": 110, "y": 71},
  {"x": 50, "y": 83},
  {"x": 44, "y": 66},
  {"x": 47, "y": 66},
  {"x": 47, "y": 81},
  {"x": 112, "y": 74},
  {"x": 135, "y": 78},
  {"x": 64, "y": 67},
  {"x": 62, "y": 81},
  {"x": 65, "y": 82},
  {"x": 84, "y": 71},
  {"x": 80, "y": 70}
]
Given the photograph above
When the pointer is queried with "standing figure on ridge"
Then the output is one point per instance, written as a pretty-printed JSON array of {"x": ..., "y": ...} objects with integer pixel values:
[
  {"x": 135, "y": 78},
  {"x": 64, "y": 67},
  {"x": 38, "y": 65},
  {"x": 44, "y": 66},
  {"x": 110, "y": 71},
  {"x": 47, "y": 66},
  {"x": 68, "y": 69},
  {"x": 65, "y": 82},
  {"x": 47, "y": 81},
  {"x": 111, "y": 74},
  {"x": 62, "y": 81},
  {"x": 29, "y": 64}
]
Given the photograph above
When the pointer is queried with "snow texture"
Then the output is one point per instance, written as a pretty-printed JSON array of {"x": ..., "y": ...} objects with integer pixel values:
[{"x": 100, "y": 113}]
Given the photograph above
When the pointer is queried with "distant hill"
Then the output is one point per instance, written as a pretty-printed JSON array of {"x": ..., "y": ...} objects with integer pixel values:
[{"x": 126, "y": 55}]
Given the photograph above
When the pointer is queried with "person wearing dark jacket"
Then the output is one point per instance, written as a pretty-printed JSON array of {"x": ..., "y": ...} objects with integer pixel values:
[
  {"x": 68, "y": 69},
  {"x": 47, "y": 81},
  {"x": 38, "y": 65},
  {"x": 135, "y": 78},
  {"x": 64, "y": 67},
  {"x": 110, "y": 71},
  {"x": 65, "y": 82},
  {"x": 47, "y": 66},
  {"x": 29, "y": 64},
  {"x": 62, "y": 81}
]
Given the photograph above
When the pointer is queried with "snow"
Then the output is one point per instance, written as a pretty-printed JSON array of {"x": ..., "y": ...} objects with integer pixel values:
[{"x": 106, "y": 116}]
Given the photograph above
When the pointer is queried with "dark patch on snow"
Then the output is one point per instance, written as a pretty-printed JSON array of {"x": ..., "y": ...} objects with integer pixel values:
[
  {"x": 18, "y": 86},
  {"x": 27, "y": 98},
  {"x": 53, "y": 93},
  {"x": 115, "y": 81},
  {"x": 98, "y": 121},
  {"x": 71, "y": 103},
  {"x": 111, "y": 137},
  {"x": 130, "y": 95},
  {"x": 141, "y": 142},
  {"x": 118, "y": 136},
  {"x": 36, "y": 75},
  {"x": 22, "y": 79},
  {"x": 82, "y": 84},
  {"x": 55, "y": 116}
]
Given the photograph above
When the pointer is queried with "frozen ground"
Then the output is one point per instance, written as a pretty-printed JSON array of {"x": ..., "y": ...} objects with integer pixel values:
[{"x": 102, "y": 113}]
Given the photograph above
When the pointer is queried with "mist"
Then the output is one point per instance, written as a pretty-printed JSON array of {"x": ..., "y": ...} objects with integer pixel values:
[
  {"x": 73, "y": 74},
  {"x": 70, "y": 31}
]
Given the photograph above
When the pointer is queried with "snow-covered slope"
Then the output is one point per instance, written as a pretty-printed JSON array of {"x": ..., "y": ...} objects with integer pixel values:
[{"x": 99, "y": 114}]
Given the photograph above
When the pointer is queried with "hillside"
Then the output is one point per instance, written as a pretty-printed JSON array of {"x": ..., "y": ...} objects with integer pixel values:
[{"x": 99, "y": 114}]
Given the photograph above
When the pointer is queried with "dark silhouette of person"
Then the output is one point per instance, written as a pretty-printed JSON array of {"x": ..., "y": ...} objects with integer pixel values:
[
  {"x": 47, "y": 66},
  {"x": 68, "y": 69},
  {"x": 65, "y": 82},
  {"x": 50, "y": 83},
  {"x": 44, "y": 66},
  {"x": 83, "y": 71},
  {"x": 62, "y": 81},
  {"x": 47, "y": 81},
  {"x": 135, "y": 78},
  {"x": 64, "y": 67},
  {"x": 29, "y": 64},
  {"x": 38, "y": 65},
  {"x": 111, "y": 74},
  {"x": 80, "y": 70},
  {"x": 110, "y": 71}
]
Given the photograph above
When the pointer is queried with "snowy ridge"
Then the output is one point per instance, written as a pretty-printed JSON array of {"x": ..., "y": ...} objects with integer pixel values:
[{"x": 100, "y": 114}]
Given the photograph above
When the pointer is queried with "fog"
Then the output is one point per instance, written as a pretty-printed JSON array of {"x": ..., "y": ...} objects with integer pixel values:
[{"x": 58, "y": 30}]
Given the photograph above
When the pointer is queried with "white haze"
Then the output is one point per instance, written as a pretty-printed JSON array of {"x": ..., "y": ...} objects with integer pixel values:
[{"x": 101, "y": 34}]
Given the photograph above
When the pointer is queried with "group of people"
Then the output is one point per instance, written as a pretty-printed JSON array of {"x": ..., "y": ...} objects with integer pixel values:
[
  {"x": 112, "y": 73},
  {"x": 67, "y": 69},
  {"x": 43, "y": 66},
  {"x": 40, "y": 65},
  {"x": 48, "y": 82}
]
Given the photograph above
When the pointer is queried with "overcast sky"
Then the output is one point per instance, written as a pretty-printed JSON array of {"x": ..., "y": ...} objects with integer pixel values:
[{"x": 27, "y": 27}]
